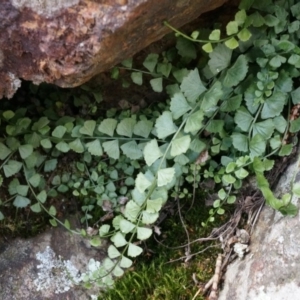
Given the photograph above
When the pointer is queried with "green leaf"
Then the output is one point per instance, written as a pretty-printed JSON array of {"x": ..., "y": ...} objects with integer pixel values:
[
  {"x": 295, "y": 125},
  {"x": 108, "y": 126},
  {"x": 143, "y": 128},
  {"x": 240, "y": 142},
  {"x": 46, "y": 143},
  {"x": 244, "y": 35},
  {"x": 8, "y": 114},
  {"x": 52, "y": 210},
  {"x": 104, "y": 230},
  {"x": 22, "y": 190},
  {"x": 164, "y": 125},
  {"x": 42, "y": 196},
  {"x": 95, "y": 242},
  {"x": 154, "y": 206},
  {"x": 271, "y": 21},
  {"x": 285, "y": 150},
  {"x": 179, "y": 106},
  {"x": 94, "y": 148},
  {"x": 127, "y": 63},
  {"x": 257, "y": 19},
  {"x": 36, "y": 208},
  {"x": 285, "y": 45},
  {"x": 237, "y": 72},
  {"x": 164, "y": 68},
  {"x": 231, "y": 104},
  {"x": 11, "y": 168},
  {"x": 50, "y": 165},
  {"x": 273, "y": 106},
  {"x": 53, "y": 222},
  {"x": 132, "y": 211},
  {"x": 232, "y": 43},
  {"x": 194, "y": 121},
  {"x": 42, "y": 122},
  {"x": 35, "y": 180},
  {"x": 137, "y": 78},
  {"x": 241, "y": 173},
  {"x": 280, "y": 123},
  {"x": 284, "y": 82},
  {"x": 192, "y": 86},
  {"x": 180, "y": 145},
  {"x": 219, "y": 59},
  {"x": 143, "y": 233},
  {"x": 220, "y": 211},
  {"x": 151, "y": 61},
  {"x": 290, "y": 209},
  {"x": 76, "y": 146},
  {"x": 212, "y": 96},
  {"x": 275, "y": 142},
  {"x": 12, "y": 143},
  {"x": 59, "y": 131},
  {"x": 125, "y": 127},
  {"x": 243, "y": 119},
  {"x": 197, "y": 145},
  {"x": 118, "y": 239},
  {"x": 126, "y": 226},
  {"x": 216, "y": 203},
  {"x": 228, "y": 179},
  {"x": 231, "y": 199},
  {"x": 207, "y": 48},
  {"x": 125, "y": 262},
  {"x": 68, "y": 226},
  {"x": 157, "y": 84},
  {"x": 230, "y": 168},
  {"x": 62, "y": 146},
  {"x": 215, "y": 126},
  {"x": 294, "y": 59},
  {"x": 296, "y": 189},
  {"x": 186, "y": 48},
  {"x": 152, "y": 152},
  {"x": 113, "y": 252},
  {"x": 240, "y": 17},
  {"x": 264, "y": 128},
  {"x": 215, "y": 35},
  {"x": 232, "y": 27},
  {"x": 12, "y": 187},
  {"x": 112, "y": 149},
  {"x": 88, "y": 127},
  {"x": 4, "y": 151},
  {"x": 1, "y": 216},
  {"x": 131, "y": 150},
  {"x": 296, "y": 96},
  {"x": 257, "y": 145},
  {"x": 277, "y": 61},
  {"x": 195, "y": 34},
  {"x": 142, "y": 182},
  {"x": 62, "y": 188},
  {"x": 149, "y": 218},
  {"x": 21, "y": 201},
  {"x": 134, "y": 250},
  {"x": 165, "y": 176}
]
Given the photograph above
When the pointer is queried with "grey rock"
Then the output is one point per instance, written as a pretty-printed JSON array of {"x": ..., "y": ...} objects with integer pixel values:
[
  {"x": 47, "y": 266},
  {"x": 271, "y": 271}
]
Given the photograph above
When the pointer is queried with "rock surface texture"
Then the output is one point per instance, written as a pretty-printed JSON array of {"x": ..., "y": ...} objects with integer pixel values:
[
  {"x": 66, "y": 42},
  {"x": 271, "y": 271},
  {"x": 40, "y": 268}
]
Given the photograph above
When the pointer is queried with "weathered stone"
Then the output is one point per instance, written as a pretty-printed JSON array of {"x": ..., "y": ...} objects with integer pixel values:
[
  {"x": 66, "y": 42},
  {"x": 40, "y": 268},
  {"x": 271, "y": 271}
]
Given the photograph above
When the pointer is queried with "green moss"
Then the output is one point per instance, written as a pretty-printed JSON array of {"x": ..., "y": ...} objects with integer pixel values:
[{"x": 156, "y": 277}]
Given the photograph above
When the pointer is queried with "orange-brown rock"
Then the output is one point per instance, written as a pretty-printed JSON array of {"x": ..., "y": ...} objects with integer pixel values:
[{"x": 66, "y": 42}]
